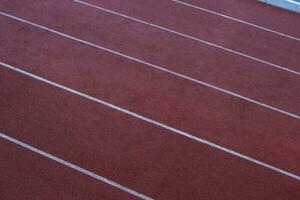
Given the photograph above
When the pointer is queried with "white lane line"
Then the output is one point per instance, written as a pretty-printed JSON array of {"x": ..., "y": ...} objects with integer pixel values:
[
  {"x": 151, "y": 121},
  {"x": 237, "y": 20},
  {"x": 75, "y": 167},
  {"x": 156, "y": 67},
  {"x": 193, "y": 38}
]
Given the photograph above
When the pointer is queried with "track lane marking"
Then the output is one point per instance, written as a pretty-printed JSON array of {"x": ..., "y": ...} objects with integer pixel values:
[
  {"x": 75, "y": 167},
  {"x": 286, "y": 69},
  {"x": 151, "y": 121},
  {"x": 236, "y": 20},
  {"x": 228, "y": 92}
]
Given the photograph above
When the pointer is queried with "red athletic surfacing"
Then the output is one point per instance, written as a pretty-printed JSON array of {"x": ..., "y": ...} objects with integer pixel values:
[{"x": 145, "y": 158}]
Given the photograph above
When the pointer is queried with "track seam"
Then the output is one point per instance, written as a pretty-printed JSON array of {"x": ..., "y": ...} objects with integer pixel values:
[
  {"x": 151, "y": 121},
  {"x": 155, "y": 67}
]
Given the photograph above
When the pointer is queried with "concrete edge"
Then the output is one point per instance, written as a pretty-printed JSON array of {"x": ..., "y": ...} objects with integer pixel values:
[{"x": 285, "y": 4}]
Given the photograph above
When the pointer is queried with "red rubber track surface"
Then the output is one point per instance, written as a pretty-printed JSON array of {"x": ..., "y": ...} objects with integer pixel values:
[
  {"x": 26, "y": 175},
  {"x": 255, "y": 12},
  {"x": 203, "y": 62},
  {"x": 129, "y": 151},
  {"x": 212, "y": 28},
  {"x": 144, "y": 157}
]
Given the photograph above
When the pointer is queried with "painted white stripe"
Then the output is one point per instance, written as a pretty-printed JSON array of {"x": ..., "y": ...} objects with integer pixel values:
[
  {"x": 295, "y": 2},
  {"x": 75, "y": 167},
  {"x": 193, "y": 38},
  {"x": 237, "y": 20},
  {"x": 156, "y": 67},
  {"x": 151, "y": 121}
]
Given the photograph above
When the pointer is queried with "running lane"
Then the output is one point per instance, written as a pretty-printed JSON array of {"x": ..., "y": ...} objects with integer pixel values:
[
  {"x": 188, "y": 57},
  {"x": 27, "y": 175},
  {"x": 262, "y": 134},
  {"x": 254, "y": 12},
  {"x": 227, "y": 33},
  {"x": 139, "y": 155},
  {"x": 251, "y": 79}
]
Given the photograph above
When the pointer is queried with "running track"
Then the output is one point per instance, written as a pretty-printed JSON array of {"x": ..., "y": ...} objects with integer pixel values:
[{"x": 149, "y": 99}]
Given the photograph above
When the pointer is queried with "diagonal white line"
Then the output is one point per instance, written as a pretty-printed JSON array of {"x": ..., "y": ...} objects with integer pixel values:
[
  {"x": 193, "y": 38},
  {"x": 154, "y": 66},
  {"x": 295, "y": 2},
  {"x": 75, "y": 167},
  {"x": 237, "y": 20},
  {"x": 151, "y": 121}
]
